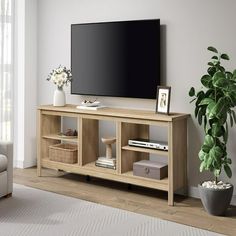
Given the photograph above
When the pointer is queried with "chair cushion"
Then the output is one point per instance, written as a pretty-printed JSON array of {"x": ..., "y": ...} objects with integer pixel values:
[{"x": 3, "y": 163}]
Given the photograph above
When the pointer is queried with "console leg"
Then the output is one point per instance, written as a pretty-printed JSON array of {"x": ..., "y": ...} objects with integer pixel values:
[
  {"x": 88, "y": 178},
  {"x": 129, "y": 186}
]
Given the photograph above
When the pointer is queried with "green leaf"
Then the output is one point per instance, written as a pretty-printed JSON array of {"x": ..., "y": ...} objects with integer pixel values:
[
  {"x": 218, "y": 75},
  {"x": 231, "y": 119},
  {"x": 191, "y": 92},
  {"x": 228, "y": 161},
  {"x": 216, "y": 130},
  {"x": 202, "y": 166},
  {"x": 215, "y": 153},
  {"x": 212, "y": 49},
  {"x": 199, "y": 117},
  {"x": 206, "y": 101},
  {"x": 205, "y": 124},
  {"x": 210, "y": 64},
  {"x": 211, "y": 71},
  {"x": 196, "y": 111},
  {"x": 234, "y": 116},
  {"x": 209, "y": 109},
  {"x": 232, "y": 97},
  {"x": 215, "y": 58},
  {"x": 226, "y": 134},
  {"x": 217, "y": 172},
  {"x": 201, "y": 155},
  {"x": 206, "y": 80},
  {"x": 224, "y": 56},
  {"x": 200, "y": 96},
  {"x": 222, "y": 69},
  {"x": 234, "y": 74},
  {"x": 229, "y": 75},
  {"x": 205, "y": 148},
  {"x": 228, "y": 170},
  {"x": 201, "y": 113},
  {"x": 219, "y": 109},
  {"x": 209, "y": 141}
]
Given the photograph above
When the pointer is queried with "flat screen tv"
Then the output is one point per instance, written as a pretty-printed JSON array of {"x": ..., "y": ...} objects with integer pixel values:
[{"x": 118, "y": 59}]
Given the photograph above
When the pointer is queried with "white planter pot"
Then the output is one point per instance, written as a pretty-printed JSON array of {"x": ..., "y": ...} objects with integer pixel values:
[{"x": 59, "y": 99}]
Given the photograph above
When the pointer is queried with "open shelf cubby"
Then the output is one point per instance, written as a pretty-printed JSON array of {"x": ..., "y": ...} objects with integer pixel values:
[{"x": 122, "y": 124}]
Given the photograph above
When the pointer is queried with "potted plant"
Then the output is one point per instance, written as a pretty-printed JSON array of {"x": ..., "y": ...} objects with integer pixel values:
[{"x": 214, "y": 105}]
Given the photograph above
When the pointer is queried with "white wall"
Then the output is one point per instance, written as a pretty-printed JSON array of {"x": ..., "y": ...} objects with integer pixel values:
[{"x": 188, "y": 28}]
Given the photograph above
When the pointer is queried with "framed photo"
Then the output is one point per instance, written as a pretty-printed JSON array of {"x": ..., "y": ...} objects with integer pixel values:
[{"x": 163, "y": 99}]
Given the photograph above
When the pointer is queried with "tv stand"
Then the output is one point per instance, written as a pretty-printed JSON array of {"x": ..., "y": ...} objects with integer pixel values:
[{"x": 128, "y": 124}]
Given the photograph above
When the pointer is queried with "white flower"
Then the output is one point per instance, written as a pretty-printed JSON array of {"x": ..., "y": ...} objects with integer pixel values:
[{"x": 60, "y": 76}]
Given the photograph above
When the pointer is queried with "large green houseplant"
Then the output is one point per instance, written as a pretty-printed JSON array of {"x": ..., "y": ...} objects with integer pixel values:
[{"x": 214, "y": 105}]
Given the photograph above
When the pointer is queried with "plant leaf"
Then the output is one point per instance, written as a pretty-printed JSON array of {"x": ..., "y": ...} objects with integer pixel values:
[
  {"x": 211, "y": 71},
  {"x": 209, "y": 141},
  {"x": 228, "y": 170},
  {"x": 219, "y": 109},
  {"x": 216, "y": 172},
  {"x": 215, "y": 58},
  {"x": 206, "y": 80},
  {"x": 217, "y": 76},
  {"x": 202, "y": 166},
  {"x": 210, "y": 64},
  {"x": 206, "y": 101},
  {"x": 234, "y": 74},
  {"x": 212, "y": 49},
  {"x": 196, "y": 111},
  {"x": 234, "y": 116},
  {"x": 201, "y": 155},
  {"x": 226, "y": 134},
  {"x": 229, "y": 75},
  {"x": 224, "y": 56},
  {"x": 216, "y": 130},
  {"x": 231, "y": 119},
  {"x": 191, "y": 92}
]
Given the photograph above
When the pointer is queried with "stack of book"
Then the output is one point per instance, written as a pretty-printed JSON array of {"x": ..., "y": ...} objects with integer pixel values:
[{"x": 106, "y": 162}]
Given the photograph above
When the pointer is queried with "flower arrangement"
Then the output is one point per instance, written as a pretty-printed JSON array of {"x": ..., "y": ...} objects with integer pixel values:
[{"x": 60, "y": 76}]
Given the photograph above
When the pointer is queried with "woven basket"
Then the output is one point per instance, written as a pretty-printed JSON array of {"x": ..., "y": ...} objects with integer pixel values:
[{"x": 63, "y": 152}]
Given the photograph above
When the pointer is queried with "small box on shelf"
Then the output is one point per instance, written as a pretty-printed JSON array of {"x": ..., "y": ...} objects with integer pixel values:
[{"x": 150, "y": 169}]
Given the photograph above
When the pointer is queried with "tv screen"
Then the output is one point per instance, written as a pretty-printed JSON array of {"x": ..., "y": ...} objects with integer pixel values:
[{"x": 118, "y": 59}]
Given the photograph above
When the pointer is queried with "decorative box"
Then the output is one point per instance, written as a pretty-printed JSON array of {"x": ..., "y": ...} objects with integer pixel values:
[{"x": 150, "y": 169}]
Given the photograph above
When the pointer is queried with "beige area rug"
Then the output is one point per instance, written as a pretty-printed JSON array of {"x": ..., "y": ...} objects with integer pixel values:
[{"x": 35, "y": 212}]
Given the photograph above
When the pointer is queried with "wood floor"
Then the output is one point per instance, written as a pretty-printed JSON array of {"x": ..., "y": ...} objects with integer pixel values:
[{"x": 145, "y": 201}]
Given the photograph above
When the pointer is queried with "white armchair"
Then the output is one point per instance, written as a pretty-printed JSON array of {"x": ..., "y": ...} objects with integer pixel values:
[{"x": 6, "y": 169}]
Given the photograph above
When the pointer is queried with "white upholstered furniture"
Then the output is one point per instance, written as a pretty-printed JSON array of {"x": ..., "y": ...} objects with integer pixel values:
[{"x": 6, "y": 168}]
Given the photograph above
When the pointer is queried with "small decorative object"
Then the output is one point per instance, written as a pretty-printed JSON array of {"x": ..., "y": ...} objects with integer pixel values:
[
  {"x": 69, "y": 134},
  {"x": 214, "y": 109},
  {"x": 163, "y": 99},
  {"x": 108, "y": 142},
  {"x": 60, "y": 76},
  {"x": 108, "y": 161}
]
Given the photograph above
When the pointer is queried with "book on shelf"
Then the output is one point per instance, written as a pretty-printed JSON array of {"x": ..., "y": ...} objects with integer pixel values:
[
  {"x": 109, "y": 166},
  {"x": 107, "y": 160}
]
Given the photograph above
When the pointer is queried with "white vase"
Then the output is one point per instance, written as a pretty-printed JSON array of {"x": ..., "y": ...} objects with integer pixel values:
[{"x": 59, "y": 99}]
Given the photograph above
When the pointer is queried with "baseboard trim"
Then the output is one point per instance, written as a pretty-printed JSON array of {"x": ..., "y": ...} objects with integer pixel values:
[
  {"x": 21, "y": 164},
  {"x": 193, "y": 192}
]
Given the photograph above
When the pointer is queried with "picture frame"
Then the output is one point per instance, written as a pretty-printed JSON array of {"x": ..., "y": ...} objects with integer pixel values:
[{"x": 163, "y": 99}]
